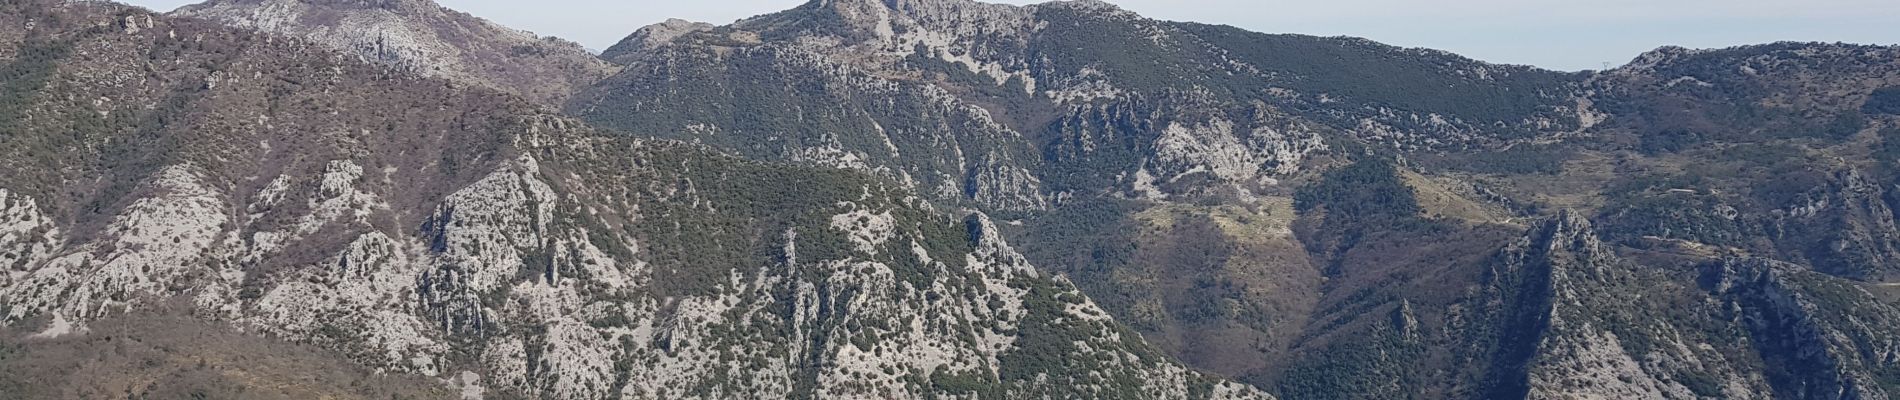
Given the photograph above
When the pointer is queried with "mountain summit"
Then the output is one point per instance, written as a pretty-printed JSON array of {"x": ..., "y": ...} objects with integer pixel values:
[
  {"x": 652, "y": 36},
  {"x": 422, "y": 37}
]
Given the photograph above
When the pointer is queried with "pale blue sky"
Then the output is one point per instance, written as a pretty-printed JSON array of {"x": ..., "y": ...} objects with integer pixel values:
[{"x": 1557, "y": 34}]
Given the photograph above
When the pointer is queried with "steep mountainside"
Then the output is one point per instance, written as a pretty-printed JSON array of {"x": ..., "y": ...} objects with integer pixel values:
[
  {"x": 1219, "y": 190},
  {"x": 1019, "y": 107},
  {"x": 422, "y": 37},
  {"x": 270, "y": 187},
  {"x": 1743, "y": 212},
  {"x": 1320, "y": 218}
]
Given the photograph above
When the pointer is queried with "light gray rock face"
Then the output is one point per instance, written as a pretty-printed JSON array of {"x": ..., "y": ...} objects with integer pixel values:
[
  {"x": 970, "y": 34},
  {"x": 421, "y": 37},
  {"x": 27, "y": 232},
  {"x": 476, "y": 239}
]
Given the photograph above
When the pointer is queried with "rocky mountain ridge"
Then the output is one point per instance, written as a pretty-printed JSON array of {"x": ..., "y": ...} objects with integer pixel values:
[
  {"x": 421, "y": 229},
  {"x": 422, "y": 37},
  {"x": 1039, "y": 112},
  {"x": 1317, "y": 217}
]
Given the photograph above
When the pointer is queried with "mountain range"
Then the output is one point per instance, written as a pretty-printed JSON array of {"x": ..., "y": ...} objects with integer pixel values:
[{"x": 926, "y": 199}]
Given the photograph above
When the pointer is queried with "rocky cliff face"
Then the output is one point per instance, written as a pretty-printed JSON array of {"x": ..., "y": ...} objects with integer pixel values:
[
  {"x": 1819, "y": 337},
  {"x": 421, "y": 37},
  {"x": 1589, "y": 323},
  {"x": 161, "y": 165},
  {"x": 1558, "y": 313}
]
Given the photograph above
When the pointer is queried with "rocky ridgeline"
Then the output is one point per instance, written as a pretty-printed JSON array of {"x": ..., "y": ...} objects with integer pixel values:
[
  {"x": 417, "y": 228},
  {"x": 421, "y": 37}
]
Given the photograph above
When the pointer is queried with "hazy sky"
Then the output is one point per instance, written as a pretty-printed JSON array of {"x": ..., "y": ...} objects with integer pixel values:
[{"x": 1557, "y": 34}]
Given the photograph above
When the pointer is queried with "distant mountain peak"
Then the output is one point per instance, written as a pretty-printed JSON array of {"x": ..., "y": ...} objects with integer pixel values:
[
  {"x": 651, "y": 37},
  {"x": 422, "y": 37}
]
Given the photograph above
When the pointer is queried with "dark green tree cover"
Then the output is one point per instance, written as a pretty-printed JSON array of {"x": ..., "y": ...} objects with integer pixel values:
[
  {"x": 1361, "y": 74},
  {"x": 1075, "y": 39},
  {"x": 1088, "y": 147},
  {"x": 1369, "y": 189},
  {"x": 1378, "y": 367},
  {"x": 1362, "y": 203},
  {"x": 23, "y": 77},
  {"x": 1668, "y": 141},
  {"x": 1844, "y": 126},
  {"x": 1884, "y": 101},
  {"x": 1680, "y": 120},
  {"x": 1087, "y": 240}
]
